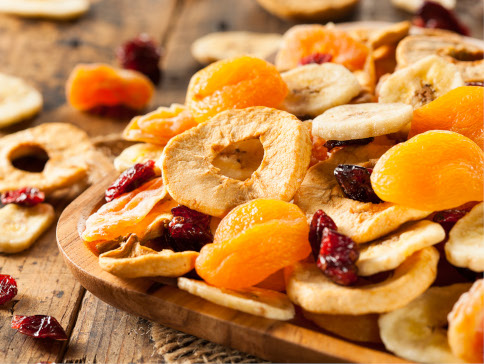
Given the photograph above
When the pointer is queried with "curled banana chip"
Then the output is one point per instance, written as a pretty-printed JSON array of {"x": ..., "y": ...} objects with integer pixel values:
[
  {"x": 315, "y": 88},
  {"x": 192, "y": 179},
  {"x": 222, "y": 45},
  {"x": 389, "y": 252},
  {"x": 417, "y": 331},
  {"x": 51, "y": 9},
  {"x": 21, "y": 226},
  {"x": 309, "y": 288},
  {"x": 18, "y": 100},
  {"x": 133, "y": 260},
  {"x": 138, "y": 153},
  {"x": 256, "y": 301},
  {"x": 362, "y": 222},
  {"x": 465, "y": 247}
]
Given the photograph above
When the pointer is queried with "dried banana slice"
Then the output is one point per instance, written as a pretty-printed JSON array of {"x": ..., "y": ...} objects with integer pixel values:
[
  {"x": 133, "y": 260},
  {"x": 417, "y": 331},
  {"x": 18, "y": 100},
  {"x": 256, "y": 301},
  {"x": 465, "y": 247},
  {"x": 192, "y": 179},
  {"x": 412, "y": 6},
  {"x": 361, "y": 328},
  {"x": 362, "y": 121},
  {"x": 222, "y": 45},
  {"x": 309, "y": 288},
  {"x": 421, "y": 82},
  {"x": 66, "y": 147},
  {"x": 138, "y": 153},
  {"x": 22, "y": 226},
  {"x": 315, "y": 88},
  {"x": 389, "y": 252},
  {"x": 51, "y": 9},
  {"x": 361, "y": 221}
]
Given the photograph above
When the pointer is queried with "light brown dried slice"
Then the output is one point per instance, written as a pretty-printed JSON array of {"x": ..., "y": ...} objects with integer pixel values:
[
  {"x": 389, "y": 35},
  {"x": 66, "y": 147},
  {"x": 417, "y": 332},
  {"x": 193, "y": 180},
  {"x": 362, "y": 222},
  {"x": 256, "y": 301},
  {"x": 138, "y": 153},
  {"x": 309, "y": 288},
  {"x": 133, "y": 260},
  {"x": 50, "y": 9},
  {"x": 390, "y": 251}
]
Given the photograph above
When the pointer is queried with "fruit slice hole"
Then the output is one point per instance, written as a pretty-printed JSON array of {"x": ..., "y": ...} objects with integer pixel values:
[
  {"x": 463, "y": 55},
  {"x": 29, "y": 158},
  {"x": 240, "y": 160}
]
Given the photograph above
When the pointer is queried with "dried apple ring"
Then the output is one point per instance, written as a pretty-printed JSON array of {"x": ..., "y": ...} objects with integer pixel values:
[
  {"x": 66, "y": 147},
  {"x": 192, "y": 179}
]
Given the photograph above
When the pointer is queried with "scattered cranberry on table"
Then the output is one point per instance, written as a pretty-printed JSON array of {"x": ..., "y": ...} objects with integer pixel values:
[
  {"x": 39, "y": 326},
  {"x": 8, "y": 288}
]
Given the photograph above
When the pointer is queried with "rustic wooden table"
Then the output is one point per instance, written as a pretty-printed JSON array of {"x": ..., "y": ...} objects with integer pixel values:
[{"x": 44, "y": 53}]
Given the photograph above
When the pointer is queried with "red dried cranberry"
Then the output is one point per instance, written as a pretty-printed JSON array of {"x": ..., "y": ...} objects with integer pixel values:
[
  {"x": 141, "y": 54},
  {"x": 355, "y": 183},
  {"x": 330, "y": 144},
  {"x": 40, "y": 326},
  {"x": 191, "y": 215},
  {"x": 26, "y": 196},
  {"x": 433, "y": 15},
  {"x": 448, "y": 218},
  {"x": 318, "y": 58},
  {"x": 8, "y": 288},
  {"x": 318, "y": 223},
  {"x": 337, "y": 257},
  {"x": 131, "y": 179},
  {"x": 475, "y": 83}
]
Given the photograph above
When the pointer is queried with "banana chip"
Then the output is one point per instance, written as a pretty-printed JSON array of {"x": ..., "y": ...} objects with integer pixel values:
[
  {"x": 256, "y": 301},
  {"x": 417, "y": 331},
  {"x": 465, "y": 247},
  {"x": 138, "y": 153},
  {"x": 18, "y": 100},
  {"x": 21, "y": 226},
  {"x": 133, "y": 260},
  {"x": 309, "y": 288},
  {"x": 51, "y": 9},
  {"x": 362, "y": 222},
  {"x": 389, "y": 252}
]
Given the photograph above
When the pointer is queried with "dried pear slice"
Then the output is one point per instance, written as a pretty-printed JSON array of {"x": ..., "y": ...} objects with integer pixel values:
[
  {"x": 50, "y": 9},
  {"x": 133, "y": 260},
  {"x": 256, "y": 301},
  {"x": 309, "y": 288},
  {"x": 193, "y": 180},
  {"x": 138, "y": 153}
]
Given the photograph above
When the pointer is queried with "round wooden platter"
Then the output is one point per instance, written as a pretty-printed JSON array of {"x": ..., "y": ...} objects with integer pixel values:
[{"x": 294, "y": 341}]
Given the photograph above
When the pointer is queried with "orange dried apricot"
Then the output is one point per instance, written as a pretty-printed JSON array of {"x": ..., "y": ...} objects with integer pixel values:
[
  {"x": 275, "y": 282},
  {"x": 460, "y": 110},
  {"x": 97, "y": 84},
  {"x": 252, "y": 242},
  {"x": 159, "y": 126},
  {"x": 435, "y": 170},
  {"x": 304, "y": 40},
  {"x": 234, "y": 83}
]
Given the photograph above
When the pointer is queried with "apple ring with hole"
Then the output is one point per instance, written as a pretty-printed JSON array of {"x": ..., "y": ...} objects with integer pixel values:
[
  {"x": 193, "y": 180},
  {"x": 64, "y": 146}
]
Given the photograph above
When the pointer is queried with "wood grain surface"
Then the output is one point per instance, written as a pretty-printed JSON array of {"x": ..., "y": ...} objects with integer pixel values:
[{"x": 44, "y": 53}]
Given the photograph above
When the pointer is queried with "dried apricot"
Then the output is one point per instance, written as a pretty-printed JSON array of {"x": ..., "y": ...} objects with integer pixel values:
[
  {"x": 302, "y": 41},
  {"x": 252, "y": 242},
  {"x": 161, "y": 125},
  {"x": 97, "y": 84},
  {"x": 459, "y": 110},
  {"x": 435, "y": 170},
  {"x": 234, "y": 83}
]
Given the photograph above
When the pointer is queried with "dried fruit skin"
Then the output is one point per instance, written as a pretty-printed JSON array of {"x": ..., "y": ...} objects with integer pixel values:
[
  {"x": 330, "y": 144},
  {"x": 8, "y": 288},
  {"x": 39, "y": 326},
  {"x": 235, "y": 83},
  {"x": 27, "y": 196},
  {"x": 355, "y": 183},
  {"x": 433, "y": 171},
  {"x": 131, "y": 179},
  {"x": 319, "y": 221}
]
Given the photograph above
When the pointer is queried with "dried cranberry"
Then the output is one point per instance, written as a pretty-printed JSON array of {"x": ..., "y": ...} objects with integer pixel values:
[
  {"x": 475, "y": 83},
  {"x": 8, "y": 288},
  {"x": 337, "y": 257},
  {"x": 40, "y": 326},
  {"x": 433, "y": 15},
  {"x": 26, "y": 196},
  {"x": 191, "y": 215},
  {"x": 318, "y": 58},
  {"x": 330, "y": 144},
  {"x": 448, "y": 218},
  {"x": 318, "y": 223},
  {"x": 141, "y": 54},
  {"x": 131, "y": 179},
  {"x": 355, "y": 183}
]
